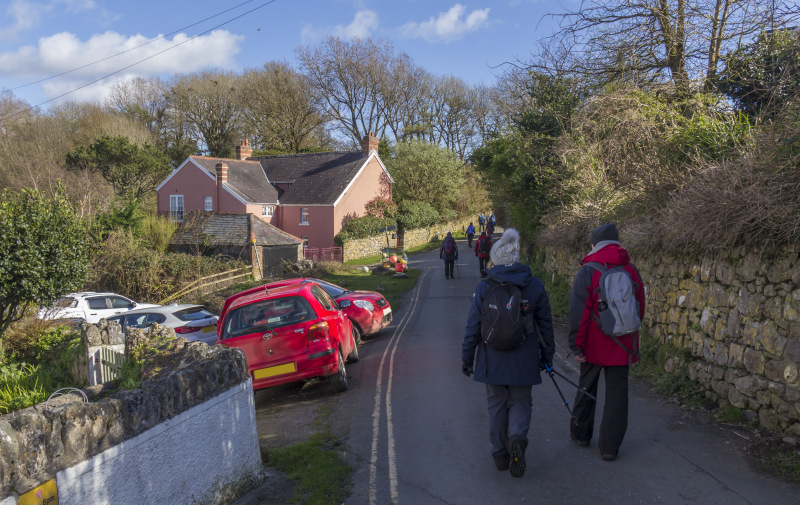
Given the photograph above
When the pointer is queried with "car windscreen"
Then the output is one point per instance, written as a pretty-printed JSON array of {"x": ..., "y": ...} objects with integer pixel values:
[
  {"x": 66, "y": 302},
  {"x": 193, "y": 314},
  {"x": 332, "y": 289},
  {"x": 268, "y": 314}
]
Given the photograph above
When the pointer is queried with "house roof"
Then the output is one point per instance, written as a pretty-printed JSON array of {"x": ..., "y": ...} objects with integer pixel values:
[
  {"x": 245, "y": 178},
  {"x": 315, "y": 178},
  {"x": 214, "y": 230}
]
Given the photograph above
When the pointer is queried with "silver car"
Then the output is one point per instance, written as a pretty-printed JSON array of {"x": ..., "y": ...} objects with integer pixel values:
[{"x": 193, "y": 322}]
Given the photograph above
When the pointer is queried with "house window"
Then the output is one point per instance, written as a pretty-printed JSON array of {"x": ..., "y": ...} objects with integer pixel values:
[
  {"x": 305, "y": 242},
  {"x": 208, "y": 203},
  {"x": 266, "y": 210},
  {"x": 304, "y": 215},
  {"x": 176, "y": 207}
]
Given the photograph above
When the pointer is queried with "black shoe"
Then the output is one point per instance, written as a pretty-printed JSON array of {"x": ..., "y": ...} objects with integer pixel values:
[
  {"x": 608, "y": 456},
  {"x": 446, "y": 276},
  {"x": 517, "y": 466},
  {"x": 582, "y": 443},
  {"x": 502, "y": 463}
]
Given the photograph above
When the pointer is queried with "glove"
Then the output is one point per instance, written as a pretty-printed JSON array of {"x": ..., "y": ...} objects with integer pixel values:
[
  {"x": 545, "y": 364},
  {"x": 467, "y": 369}
]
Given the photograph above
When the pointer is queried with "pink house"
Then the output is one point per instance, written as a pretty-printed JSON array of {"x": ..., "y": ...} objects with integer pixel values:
[{"x": 309, "y": 196}]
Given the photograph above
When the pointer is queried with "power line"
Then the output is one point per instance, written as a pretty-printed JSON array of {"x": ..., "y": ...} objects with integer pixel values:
[
  {"x": 131, "y": 49},
  {"x": 137, "y": 62}
]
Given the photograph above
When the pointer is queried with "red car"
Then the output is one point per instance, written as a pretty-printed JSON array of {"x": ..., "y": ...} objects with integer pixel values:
[
  {"x": 368, "y": 311},
  {"x": 289, "y": 333}
]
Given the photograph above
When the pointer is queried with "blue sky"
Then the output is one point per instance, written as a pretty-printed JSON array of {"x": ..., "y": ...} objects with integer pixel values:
[{"x": 42, "y": 38}]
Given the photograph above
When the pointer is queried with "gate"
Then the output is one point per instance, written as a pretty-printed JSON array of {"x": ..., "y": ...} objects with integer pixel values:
[
  {"x": 110, "y": 364},
  {"x": 323, "y": 254}
]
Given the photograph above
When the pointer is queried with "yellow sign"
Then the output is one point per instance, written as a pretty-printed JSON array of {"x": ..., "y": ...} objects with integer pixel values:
[{"x": 46, "y": 494}]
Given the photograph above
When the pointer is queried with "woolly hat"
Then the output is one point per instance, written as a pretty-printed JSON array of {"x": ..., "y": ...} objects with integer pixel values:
[
  {"x": 603, "y": 232},
  {"x": 506, "y": 250}
]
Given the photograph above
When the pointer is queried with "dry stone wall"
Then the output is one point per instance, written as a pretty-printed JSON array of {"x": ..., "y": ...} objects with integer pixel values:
[
  {"x": 39, "y": 442},
  {"x": 732, "y": 323},
  {"x": 371, "y": 246}
]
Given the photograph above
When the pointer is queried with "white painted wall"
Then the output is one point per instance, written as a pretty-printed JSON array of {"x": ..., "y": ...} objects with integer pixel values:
[{"x": 188, "y": 459}]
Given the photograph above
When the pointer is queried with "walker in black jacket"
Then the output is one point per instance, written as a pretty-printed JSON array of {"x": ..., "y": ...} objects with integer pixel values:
[
  {"x": 449, "y": 253},
  {"x": 509, "y": 375}
]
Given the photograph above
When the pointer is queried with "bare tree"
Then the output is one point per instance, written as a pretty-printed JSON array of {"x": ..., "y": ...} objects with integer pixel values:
[
  {"x": 351, "y": 78},
  {"x": 209, "y": 101},
  {"x": 280, "y": 108},
  {"x": 654, "y": 40}
]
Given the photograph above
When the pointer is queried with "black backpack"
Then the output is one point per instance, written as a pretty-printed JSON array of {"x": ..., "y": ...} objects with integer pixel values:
[
  {"x": 502, "y": 325},
  {"x": 483, "y": 245}
]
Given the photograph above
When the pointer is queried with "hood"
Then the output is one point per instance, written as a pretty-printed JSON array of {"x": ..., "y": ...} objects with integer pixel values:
[
  {"x": 517, "y": 274},
  {"x": 612, "y": 255}
]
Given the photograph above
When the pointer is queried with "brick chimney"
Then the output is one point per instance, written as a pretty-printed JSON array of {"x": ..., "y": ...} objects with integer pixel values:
[
  {"x": 243, "y": 150},
  {"x": 369, "y": 143},
  {"x": 222, "y": 178}
]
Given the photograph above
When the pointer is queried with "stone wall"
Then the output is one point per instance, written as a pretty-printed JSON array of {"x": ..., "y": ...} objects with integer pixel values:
[
  {"x": 372, "y": 246},
  {"x": 732, "y": 323},
  {"x": 190, "y": 394}
]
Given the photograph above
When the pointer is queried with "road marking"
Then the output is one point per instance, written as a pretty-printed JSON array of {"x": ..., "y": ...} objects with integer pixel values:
[{"x": 376, "y": 412}]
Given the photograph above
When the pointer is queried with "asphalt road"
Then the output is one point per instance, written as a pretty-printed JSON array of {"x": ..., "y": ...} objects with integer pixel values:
[{"x": 418, "y": 429}]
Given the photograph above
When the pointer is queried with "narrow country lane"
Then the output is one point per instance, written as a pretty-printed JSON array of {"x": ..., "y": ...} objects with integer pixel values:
[{"x": 418, "y": 429}]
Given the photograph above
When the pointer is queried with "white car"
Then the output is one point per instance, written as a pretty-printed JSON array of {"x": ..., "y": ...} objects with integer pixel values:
[
  {"x": 193, "y": 322},
  {"x": 90, "y": 306}
]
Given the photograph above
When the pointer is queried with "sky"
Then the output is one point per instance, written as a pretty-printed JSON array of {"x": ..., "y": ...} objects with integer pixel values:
[{"x": 50, "y": 48}]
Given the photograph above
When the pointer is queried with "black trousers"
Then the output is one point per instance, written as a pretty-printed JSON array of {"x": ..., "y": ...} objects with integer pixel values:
[
  {"x": 482, "y": 262},
  {"x": 615, "y": 407},
  {"x": 469, "y": 240},
  {"x": 448, "y": 267}
]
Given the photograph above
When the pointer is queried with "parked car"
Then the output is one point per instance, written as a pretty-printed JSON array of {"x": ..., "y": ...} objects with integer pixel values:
[
  {"x": 289, "y": 333},
  {"x": 193, "y": 322},
  {"x": 368, "y": 311},
  {"x": 90, "y": 306}
]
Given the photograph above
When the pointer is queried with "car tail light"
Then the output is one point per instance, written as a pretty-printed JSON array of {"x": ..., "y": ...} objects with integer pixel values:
[
  {"x": 318, "y": 330},
  {"x": 187, "y": 329}
]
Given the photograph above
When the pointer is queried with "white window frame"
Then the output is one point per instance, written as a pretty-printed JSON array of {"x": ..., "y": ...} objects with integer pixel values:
[
  {"x": 305, "y": 241},
  {"x": 208, "y": 203},
  {"x": 303, "y": 215},
  {"x": 267, "y": 210},
  {"x": 176, "y": 208}
]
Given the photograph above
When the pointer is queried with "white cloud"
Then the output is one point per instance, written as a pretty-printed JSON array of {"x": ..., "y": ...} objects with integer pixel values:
[
  {"x": 448, "y": 26},
  {"x": 65, "y": 51},
  {"x": 22, "y": 15},
  {"x": 364, "y": 23}
]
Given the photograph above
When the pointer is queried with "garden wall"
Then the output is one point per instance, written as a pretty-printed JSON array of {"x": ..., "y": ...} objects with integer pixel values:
[
  {"x": 371, "y": 246},
  {"x": 188, "y": 435},
  {"x": 730, "y": 323}
]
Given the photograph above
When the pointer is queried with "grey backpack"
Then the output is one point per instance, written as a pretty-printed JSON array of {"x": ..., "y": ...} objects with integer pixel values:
[{"x": 618, "y": 307}]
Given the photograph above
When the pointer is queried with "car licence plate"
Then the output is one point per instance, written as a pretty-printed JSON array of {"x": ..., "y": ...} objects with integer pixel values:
[
  {"x": 272, "y": 371},
  {"x": 209, "y": 329},
  {"x": 387, "y": 310}
]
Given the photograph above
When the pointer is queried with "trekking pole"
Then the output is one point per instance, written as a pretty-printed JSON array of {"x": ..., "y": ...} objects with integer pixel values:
[
  {"x": 550, "y": 371},
  {"x": 580, "y": 389}
]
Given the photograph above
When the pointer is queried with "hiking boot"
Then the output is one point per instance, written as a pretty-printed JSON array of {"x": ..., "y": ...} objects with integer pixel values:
[
  {"x": 502, "y": 462},
  {"x": 517, "y": 464}
]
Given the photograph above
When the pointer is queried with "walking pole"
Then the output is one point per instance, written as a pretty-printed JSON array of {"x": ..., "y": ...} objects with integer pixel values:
[
  {"x": 550, "y": 373},
  {"x": 580, "y": 389}
]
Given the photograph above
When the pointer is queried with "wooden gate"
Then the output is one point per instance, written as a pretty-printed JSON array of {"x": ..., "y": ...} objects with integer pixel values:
[{"x": 110, "y": 364}]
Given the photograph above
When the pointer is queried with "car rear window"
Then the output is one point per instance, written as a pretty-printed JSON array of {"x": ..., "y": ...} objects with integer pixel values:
[
  {"x": 143, "y": 320},
  {"x": 193, "y": 314},
  {"x": 267, "y": 314}
]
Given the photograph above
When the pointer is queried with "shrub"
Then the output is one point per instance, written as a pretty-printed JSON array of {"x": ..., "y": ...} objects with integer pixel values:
[
  {"x": 411, "y": 214},
  {"x": 363, "y": 227}
]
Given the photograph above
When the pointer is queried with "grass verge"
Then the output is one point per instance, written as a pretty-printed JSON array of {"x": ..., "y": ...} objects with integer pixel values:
[
  {"x": 556, "y": 286},
  {"x": 322, "y": 475},
  {"x": 391, "y": 287}
]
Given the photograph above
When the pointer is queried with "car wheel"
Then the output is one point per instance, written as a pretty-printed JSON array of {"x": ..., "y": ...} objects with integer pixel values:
[
  {"x": 353, "y": 356},
  {"x": 339, "y": 379},
  {"x": 359, "y": 333}
]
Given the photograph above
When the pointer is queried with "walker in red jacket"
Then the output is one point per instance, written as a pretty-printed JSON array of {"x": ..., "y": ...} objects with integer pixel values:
[{"x": 596, "y": 351}]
